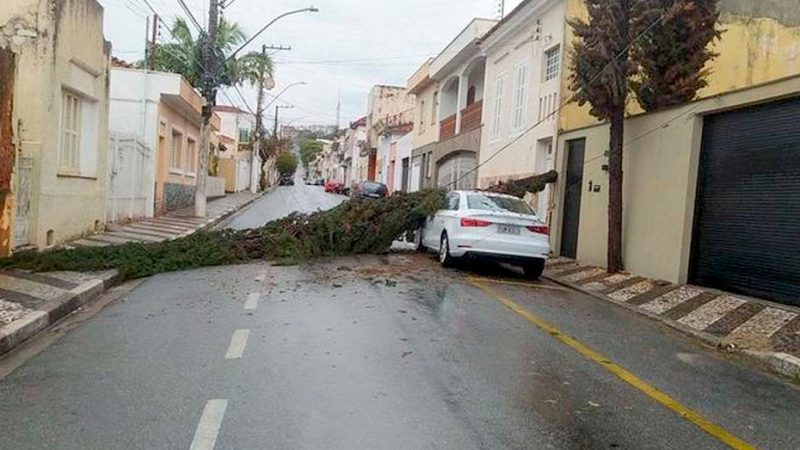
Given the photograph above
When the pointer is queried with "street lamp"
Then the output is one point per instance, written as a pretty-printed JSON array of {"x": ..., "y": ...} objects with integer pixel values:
[
  {"x": 298, "y": 83},
  {"x": 252, "y": 38}
]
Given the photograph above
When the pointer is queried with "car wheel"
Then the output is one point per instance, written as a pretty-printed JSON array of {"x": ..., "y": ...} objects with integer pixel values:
[
  {"x": 418, "y": 240},
  {"x": 533, "y": 269},
  {"x": 444, "y": 251}
]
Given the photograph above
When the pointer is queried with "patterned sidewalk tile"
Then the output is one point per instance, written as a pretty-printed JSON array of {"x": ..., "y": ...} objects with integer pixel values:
[
  {"x": 577, "y": 277},
  {"x": 625, "y": 294},
  {"x": 706, "y": 315},
  {"x": 762, "y": 326},
  {"x": 10, "y": 312},
  {"x": 671, "y": 300}
]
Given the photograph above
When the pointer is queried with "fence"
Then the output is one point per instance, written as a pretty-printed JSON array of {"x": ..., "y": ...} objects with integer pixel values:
[{"x": 130, "y": 180}]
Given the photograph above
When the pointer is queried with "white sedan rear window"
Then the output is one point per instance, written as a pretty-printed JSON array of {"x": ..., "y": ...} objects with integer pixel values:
[{"x": 495, "y": 203}]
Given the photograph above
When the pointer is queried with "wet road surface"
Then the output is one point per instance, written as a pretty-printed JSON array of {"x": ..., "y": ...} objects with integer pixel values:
[
  {"x": 282, "y": 201},
  {"x": 389, "y": 352}
]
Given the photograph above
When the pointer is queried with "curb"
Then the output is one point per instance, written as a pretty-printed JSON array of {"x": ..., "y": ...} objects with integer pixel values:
[
  {"x": 17, "y": 332},
  {"x": 213, "y": 222},
  {"x": 780, "y": 363}
]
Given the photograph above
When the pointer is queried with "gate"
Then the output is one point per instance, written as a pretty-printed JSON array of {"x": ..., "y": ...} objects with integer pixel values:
[
  {"x": 22, "y": 188},
  {"x": 130, "y": 177}
]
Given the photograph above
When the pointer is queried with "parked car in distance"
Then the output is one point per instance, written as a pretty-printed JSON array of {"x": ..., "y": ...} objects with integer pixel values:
[
  {"x": 319, "y": 182},
  {"x": 370, "y": 189},
  {"x": 286, "y": 180},
  {"x": 485, "y": 225},
  {"x": 334, "y": 187}
]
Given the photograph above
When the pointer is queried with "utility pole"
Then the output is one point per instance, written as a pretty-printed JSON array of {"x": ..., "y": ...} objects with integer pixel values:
[
  {"x": 210, "y": 94},
  {"x": 257, "y": 160},
  {"x": 154, "y": 45}
]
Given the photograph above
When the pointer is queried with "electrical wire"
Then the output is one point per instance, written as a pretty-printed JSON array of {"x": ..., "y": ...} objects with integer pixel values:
[{"x": 572, "y": 98}]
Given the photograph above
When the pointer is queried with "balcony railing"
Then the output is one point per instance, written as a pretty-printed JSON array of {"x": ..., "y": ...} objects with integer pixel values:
[
  {"x": 447, "y": 128},
  {"x": 471, "y": 116}
]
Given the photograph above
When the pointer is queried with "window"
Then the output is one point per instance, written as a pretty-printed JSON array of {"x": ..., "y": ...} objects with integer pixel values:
[
  {"x": 487, "y": 202},
  {"x": 191, "y": 147},
  {"x": 175, "y": 154},
  {"x": 244, "y": 135},
  {"x": 71, "y": 111},
  {"x": 458, "y": 172},
  {"x": 520, "y": 97},
  {"x": 499, "y": 91},
  {"x": 422, "y": 112},
  {"x": 429, "y": 167},
  {"x": 453, "y": 201},
  {"x": 551, "y": 62},
  {"x": 434, "y": 107}
]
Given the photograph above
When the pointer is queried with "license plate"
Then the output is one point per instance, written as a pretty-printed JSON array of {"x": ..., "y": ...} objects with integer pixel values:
[{"x": 507, "y": 229}]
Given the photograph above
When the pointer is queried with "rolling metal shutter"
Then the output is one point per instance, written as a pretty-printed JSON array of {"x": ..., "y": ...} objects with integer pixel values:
[{"x": 747, "y": 216}]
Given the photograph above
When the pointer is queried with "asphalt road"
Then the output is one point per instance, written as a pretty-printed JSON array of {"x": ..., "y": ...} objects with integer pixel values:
[
  {"x": 282, "y": 201},
  {"x": 389, "y": 352}
]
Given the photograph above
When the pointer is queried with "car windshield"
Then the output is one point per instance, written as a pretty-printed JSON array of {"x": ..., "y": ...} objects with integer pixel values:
[
  {"x": 374, "y": 188},
  {"x": 497, "y": 203}
]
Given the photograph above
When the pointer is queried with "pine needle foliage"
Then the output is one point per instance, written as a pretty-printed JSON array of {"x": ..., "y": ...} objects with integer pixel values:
[{"x": 354, "y": 227}]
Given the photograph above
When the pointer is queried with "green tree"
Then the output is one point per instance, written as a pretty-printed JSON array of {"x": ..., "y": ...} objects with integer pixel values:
[
  {"x": 672, "y": 57},
  {"x": 655, "y": 47},
  {"x": 286, "y": 163},
  {"x": 309, "y": 149},
  {"x": 183, "y": 55}
]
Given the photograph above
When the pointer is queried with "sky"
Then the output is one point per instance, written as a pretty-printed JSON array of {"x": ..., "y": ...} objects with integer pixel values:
[{"x": 342, "y": 50}]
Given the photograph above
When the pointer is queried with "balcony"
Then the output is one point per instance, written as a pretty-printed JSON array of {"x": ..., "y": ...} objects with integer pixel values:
[
  {"x": 471, "y": 116},
  {"x": 447, "y": 128}
]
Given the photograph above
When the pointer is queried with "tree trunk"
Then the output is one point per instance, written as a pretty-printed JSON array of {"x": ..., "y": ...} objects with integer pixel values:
[
  {"x": 7, "y": 151},
  {"x": 614, "y": 254}
]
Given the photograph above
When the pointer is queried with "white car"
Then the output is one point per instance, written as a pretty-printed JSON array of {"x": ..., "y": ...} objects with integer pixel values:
[{"x": 487, "y": 225}]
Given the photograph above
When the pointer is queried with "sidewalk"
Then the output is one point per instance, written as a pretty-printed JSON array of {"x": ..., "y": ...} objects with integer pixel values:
[
  {"x": 758, "y": 328},
  {"x": 172, "y": 225},
  {"x": 30, "y": 302}
]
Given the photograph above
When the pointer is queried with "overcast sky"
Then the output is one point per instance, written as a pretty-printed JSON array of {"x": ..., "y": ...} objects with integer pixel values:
[{"x": 349, "y": 46}]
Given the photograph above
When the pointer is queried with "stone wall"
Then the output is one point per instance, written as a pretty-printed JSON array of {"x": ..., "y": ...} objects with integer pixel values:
[{"x": 178, "y": 196}]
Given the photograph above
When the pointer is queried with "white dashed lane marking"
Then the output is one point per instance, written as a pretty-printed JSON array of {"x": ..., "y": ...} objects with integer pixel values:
[
  {"x": 238, "y": 343},
  {"x": 252, "y": 301},
  {"x": 205, "y": 437}
]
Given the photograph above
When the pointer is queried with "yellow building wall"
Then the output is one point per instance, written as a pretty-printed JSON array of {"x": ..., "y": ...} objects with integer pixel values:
[
  {"x": 660, "y": 166},
  {"x": 754, "y": 48},
  {"x": 59, "y": 49}
]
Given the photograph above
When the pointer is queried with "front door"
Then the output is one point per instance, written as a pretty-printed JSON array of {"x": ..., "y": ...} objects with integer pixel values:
[
  {"x": 572, "y": 198},
  {"x": 404, "y": 182}
]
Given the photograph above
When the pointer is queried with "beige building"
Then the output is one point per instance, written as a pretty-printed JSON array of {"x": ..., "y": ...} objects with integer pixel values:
[
  {"x": 388, "y": 107},
  {"x": 235, "y": 156},
  {"x": 710, "y": 193},
  {"x": 55, "y": 64},
  {"x": 523, "y": 68},
  {"x": 450, "y": 100}
]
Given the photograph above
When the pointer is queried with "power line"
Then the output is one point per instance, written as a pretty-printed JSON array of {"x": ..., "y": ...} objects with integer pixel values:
[
  {"x": 566, "y": 102},
  {"x": 191, "y": 16}
]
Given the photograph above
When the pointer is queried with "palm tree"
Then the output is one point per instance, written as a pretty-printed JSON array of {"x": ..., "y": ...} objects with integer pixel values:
[{"x": 183, "y": 55}]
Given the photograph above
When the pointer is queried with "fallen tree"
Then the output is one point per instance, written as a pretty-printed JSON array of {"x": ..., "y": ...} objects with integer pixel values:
[
  {"x": 354, "y": 227},
  {"x": 519, "y": 188}
]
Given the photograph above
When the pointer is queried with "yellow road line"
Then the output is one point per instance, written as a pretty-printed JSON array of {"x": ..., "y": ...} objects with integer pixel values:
[
  {"x": 473, "y": 279},
  {"x": 626, "y": 376}
]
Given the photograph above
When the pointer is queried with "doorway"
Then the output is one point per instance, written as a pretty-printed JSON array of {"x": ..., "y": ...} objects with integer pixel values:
[{"x": 573, "y": 188}]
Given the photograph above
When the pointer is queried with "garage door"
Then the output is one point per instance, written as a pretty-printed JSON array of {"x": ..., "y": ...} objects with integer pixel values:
[{"x": 747, "y": 223}]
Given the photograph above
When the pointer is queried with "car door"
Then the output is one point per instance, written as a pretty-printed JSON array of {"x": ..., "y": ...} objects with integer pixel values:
[{"x": 448, "y": 216}]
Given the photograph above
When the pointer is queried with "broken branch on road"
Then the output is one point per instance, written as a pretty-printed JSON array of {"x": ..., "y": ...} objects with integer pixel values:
[{"x": 354, "y": 227}]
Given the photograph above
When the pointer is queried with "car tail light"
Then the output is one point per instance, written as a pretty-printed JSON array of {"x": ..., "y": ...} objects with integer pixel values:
[
  {"x": 470, "y": 222},
  {"x": 540, "y": 229}
]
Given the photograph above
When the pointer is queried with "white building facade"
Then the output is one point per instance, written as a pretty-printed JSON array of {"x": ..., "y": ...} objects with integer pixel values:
[{"x": 522, "y": 96}]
